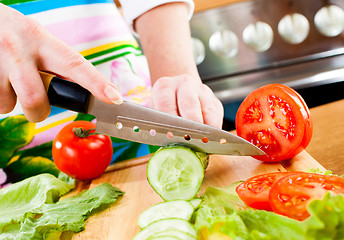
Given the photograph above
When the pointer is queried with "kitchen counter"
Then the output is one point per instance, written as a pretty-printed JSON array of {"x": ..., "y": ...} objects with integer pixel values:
[{"x": 327, "y": 144}]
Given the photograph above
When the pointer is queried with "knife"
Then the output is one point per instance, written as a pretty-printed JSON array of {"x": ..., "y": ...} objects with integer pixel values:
[{"x": 141, "y": 124}]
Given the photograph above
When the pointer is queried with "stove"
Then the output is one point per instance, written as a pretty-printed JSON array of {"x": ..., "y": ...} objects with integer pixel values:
[{"x": 244, "y": 45}]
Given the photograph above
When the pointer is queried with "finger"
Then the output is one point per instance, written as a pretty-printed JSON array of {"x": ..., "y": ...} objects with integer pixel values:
[
  {"x": 30, "y": 91},
  {"x": 188, "y": 104},
  {"x": 59, "y": 58},
  {"x": 8, "y": 98},
  {"x": 212, "y": 108},
  {"x": 164, "y": 96}
]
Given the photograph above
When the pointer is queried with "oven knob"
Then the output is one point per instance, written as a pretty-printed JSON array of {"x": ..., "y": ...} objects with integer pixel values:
[
  {"x": 293, "y": 28},
  {"x": 224, "y": 43},
  {"x": 258, "y": 36},
  {"x": 330, "y": 20},
  {"x": 198, "y": 50}
]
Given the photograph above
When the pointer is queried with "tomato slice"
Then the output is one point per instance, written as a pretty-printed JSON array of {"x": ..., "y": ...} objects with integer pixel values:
[
  {"x": 276, "y": 119},
  {"x": 291, "y": 194},
  {"x": 308, "y": 121},
  {"x": 254, "y": 192}
]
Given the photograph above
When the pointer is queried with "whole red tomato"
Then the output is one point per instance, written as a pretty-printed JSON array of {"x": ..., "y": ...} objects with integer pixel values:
[
  {"x": 80, "y": 152},
  {"x": 276, "y": 119}
]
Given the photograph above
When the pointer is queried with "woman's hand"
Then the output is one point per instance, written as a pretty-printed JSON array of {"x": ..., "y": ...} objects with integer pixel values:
[
  {"x": 165, "y": 36},
  {"x": 183, "y": 96},
  {"x": 25, "y": 48}
]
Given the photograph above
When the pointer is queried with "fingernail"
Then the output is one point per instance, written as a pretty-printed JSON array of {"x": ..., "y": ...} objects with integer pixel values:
[{"x": 113, "y": 94}]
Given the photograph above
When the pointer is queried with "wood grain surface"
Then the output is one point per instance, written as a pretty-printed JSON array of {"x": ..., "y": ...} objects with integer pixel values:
[
  {"x": 327, "y": 144},
  {"x": 119, "y": 222}
]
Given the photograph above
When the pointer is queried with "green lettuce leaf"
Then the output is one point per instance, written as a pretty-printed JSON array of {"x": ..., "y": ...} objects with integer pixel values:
[
  {"x": 221, "y": 213},
  {"x": 327, "y": 218},
  {"x": 29, "y": 194},
  {"x": 262, "y": 224},
  {"x": 68, "y": 214},
  {"x": 217, "y": 202},
  {"x": 34, "y": 213}
]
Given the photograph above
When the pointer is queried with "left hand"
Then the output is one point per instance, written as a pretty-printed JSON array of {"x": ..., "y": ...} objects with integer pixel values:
[{"x": 186, "y": 97}]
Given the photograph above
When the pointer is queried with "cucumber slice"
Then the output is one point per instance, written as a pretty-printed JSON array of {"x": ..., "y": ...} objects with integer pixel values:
[
  {"x": 195, "y": 202},
  {"x": 171, "y": 209},
  {"x": 176, "y": 172},
  {"x": 164, "y": 238},
  {"x": 175, "y": 233},
  {"x": 166, "y": 224}
]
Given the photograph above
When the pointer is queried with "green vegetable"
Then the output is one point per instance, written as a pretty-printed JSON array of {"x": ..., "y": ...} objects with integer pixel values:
[
  {"x": 30, "y": 209},
  {"x": 171, "y": 209},
  {"x": 164, "y": 225},
  {"x": 172, "y": 233},
  {"x": 176, "y": 172},
  {"x": 15, "y": 133},
  {"x": 26, "y": 167},
  {"x": 217, "y": 202},
  {"x": 24, "y": 196},
  {"x": 42, "y": 150},
  {"x": 221, "y": 214},
  {"x": 164, "y": 237},
  {"x": 327, "y": 218},
  {"x": 195, "y": 202}
]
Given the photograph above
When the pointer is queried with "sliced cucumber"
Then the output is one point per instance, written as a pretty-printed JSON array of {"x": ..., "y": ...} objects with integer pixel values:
[
  {"x": 166, "y": 224},
  {"x": 164, "y": 238},
  {"x": 195, "y": 202},
  {"x": 175, "y": 233},
  {"x": 176, "y": 172},
  {"x": 171, "y": 209}
]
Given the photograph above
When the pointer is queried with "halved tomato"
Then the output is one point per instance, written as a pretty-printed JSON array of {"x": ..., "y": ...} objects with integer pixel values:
[
  {"x": 254, "y": 192},
  {"x": 290, "y": 195},
  {"x": 276, "y": 119}
]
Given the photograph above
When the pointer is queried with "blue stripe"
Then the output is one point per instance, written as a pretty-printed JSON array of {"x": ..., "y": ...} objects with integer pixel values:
[
  {"x": 44, "y": 5},
  {"x": 56, "y": 110}
]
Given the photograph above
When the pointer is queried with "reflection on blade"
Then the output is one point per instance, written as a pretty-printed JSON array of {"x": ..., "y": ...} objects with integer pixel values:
[
  {"x": 145, "y": 125},
  {"x": 160, "y": 139}
]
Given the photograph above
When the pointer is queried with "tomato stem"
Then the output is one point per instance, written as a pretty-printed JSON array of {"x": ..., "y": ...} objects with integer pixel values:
[{"x": 83, "y": 133}]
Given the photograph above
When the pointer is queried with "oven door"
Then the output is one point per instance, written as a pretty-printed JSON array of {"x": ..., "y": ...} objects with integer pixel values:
[{"x": 300, "y": 43}]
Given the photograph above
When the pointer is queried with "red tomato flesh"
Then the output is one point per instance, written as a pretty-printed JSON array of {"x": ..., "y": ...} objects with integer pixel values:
[
  {"x": 254, "y": 192},
  {"x": 83, "y": 158},
  {"x": 290, "y": 195},
  {"x": 276, "y": 119}
]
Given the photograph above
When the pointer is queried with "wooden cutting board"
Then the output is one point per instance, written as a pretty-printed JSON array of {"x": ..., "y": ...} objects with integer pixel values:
[{"x": 119, "y": 222}]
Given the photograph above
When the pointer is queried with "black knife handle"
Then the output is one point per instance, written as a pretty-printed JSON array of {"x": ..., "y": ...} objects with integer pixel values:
[{"x": 66, "y": 94}]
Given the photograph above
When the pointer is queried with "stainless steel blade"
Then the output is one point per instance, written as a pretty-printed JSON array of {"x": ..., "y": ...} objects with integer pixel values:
[{"x": 137, "y": 123}]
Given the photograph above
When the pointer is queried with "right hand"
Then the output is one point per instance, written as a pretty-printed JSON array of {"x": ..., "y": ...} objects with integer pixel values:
[{"x": 27, "y": 47}]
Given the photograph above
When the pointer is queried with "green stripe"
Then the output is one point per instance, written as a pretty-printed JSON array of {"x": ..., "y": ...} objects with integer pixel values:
[
  {"x": 12, "y": 2},
  {"x": 131, "y": 66},
  {"x": 114, "y": 57},
  {"x": 98, "y": 54}
]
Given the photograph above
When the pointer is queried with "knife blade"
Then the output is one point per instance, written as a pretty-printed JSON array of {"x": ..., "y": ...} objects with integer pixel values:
[{"x": 142, "y": 124}]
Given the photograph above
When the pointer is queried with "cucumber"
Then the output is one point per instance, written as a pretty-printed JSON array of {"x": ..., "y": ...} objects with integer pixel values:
[
  {"x": 176, "y": 172},
  {"x": 175, "y": 233},
  {"x": 195, "y": 202},
  {"x": 171, "y": 209},
  {"x": 164, "y": 238},
  {"x": 166, "y": 224}
]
